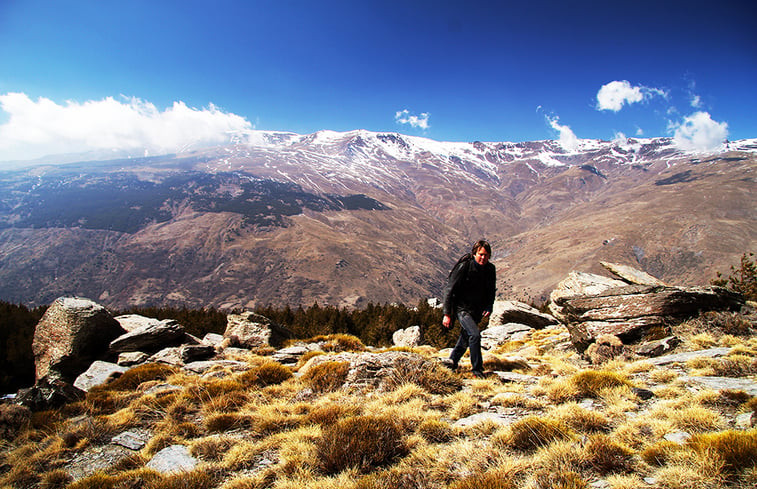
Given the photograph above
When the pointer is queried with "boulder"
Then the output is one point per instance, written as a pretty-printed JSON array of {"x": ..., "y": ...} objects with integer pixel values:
[
  {"x": 149, "y": 335},
  {"x": 630, "y": 311},
  {"x": 579, "y": 284},
  {"x": 191, "y": 353},
  {"x": 632, "y": 275},
  {"x": 98, "y": 373},
  {"x": 494, "y": 336},
  {"x": 130, "y": 358},
  {"x": 72, "y": 334},
  {"x": 657, "y": 347},
  {"x": 519, "y": 312},
  {"x": 172, "y": 459},
  {"x": 250, "y": 330},
  {"x": 49, "y": 393},
  {"x": 408, "y": 337}
]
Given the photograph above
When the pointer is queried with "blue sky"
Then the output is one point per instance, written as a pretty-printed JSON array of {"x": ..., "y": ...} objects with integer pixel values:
[{"x": 76, "y": 74}]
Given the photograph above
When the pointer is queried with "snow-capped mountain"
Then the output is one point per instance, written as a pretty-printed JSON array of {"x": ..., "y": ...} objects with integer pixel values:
[{"x": 348, "y": 218}]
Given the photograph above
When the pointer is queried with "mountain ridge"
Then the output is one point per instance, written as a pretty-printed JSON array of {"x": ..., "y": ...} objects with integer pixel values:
[{"x": 349, "y": 218}]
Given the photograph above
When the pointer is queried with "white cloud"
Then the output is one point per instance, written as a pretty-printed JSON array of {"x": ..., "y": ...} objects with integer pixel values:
[
  {"x": 698, "y": 132},
  {"x": 613, "y": 95},
  {"x": 404, "y": 117},
  {"x": 568, "y": 139},
  {"x": 696, "y": 101},
  {"x": 37, "y": 128}
]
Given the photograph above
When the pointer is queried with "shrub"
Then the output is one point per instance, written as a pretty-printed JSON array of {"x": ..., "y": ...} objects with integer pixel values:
[
  {"x": 533, "y": 432},
  {"x": 737, "y": 449},
  {"x": 269, "y": 373},
  {"x": 592, "y": 382},
  {"x": 326, "y": 376},
  {"x": 607, "y": 456},
  {"x": 362, "y": 442},
  {"x": 742, "y": 279}
]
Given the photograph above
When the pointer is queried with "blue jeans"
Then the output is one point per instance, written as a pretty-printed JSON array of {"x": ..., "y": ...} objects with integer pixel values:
[{"x": 470, "y": 337}]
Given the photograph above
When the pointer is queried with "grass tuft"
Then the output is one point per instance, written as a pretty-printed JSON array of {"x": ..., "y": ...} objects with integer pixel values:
[
  {"x": 362, "y": 442},
  {"x": 607, "y": 456},
  {"x": 591, "y": 383},
  {"x": 534, "y": 432},
  {"x": 737, "y": 449},
  {"x": 326, "y": 376}
]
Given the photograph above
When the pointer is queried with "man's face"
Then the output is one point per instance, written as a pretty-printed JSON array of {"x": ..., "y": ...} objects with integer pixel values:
[{"x": 481, "y": 256}]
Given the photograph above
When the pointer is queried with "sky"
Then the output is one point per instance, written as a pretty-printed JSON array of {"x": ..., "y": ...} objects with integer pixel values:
[{"x": 79, "y": 75}]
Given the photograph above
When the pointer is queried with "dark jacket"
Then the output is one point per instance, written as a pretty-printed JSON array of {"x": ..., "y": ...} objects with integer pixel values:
[{"x": 471, "y": 287}]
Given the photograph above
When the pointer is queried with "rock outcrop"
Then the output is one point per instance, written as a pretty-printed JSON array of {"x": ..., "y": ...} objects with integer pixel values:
[
  {"x": 409, "y": 337},
  {"x": 72, "y": 334},
  {"x": 250, "y": 330},
  {"x": 148, "y": 335},
  {"x": 592, "y": 306},
  {"x": 518, "y": 312}
]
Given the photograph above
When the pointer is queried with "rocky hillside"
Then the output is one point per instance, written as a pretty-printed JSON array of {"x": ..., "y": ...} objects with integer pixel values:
[
  {"x": 344, "y": 218},
  {"x": 253, "y": 408}
]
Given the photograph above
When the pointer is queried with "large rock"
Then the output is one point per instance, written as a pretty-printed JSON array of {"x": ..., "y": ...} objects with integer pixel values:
[
  {"x": 148, "y": 334},
  {"x": 494, "y": 336},
  {"x": 49, "y": 393},
  {"x": 518, "y": 312},
  {"x": 408, "y": 337},
  {"x": 72, "y": 334},
  {"x": 630, "y": 311},
  {"x": 250, "y": 330},
  {"x": 98, "y": 373},
  {"x": 632, "y": 275},
  {"x": 579, "y": 284}
]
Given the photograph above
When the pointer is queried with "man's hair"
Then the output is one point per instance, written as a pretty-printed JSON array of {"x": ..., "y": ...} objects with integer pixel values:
[{"x": 482, "y": 244}]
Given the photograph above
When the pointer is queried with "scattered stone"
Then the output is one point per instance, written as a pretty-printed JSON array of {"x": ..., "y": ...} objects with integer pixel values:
[
  {"x": 494, "y": 336},
  {"x": 170, "y": 356},
  {"x": 643, "y": 394},
  {"x": 203, "y": 366},
  {"x": 516, "y": 377},
  {"x": 151, "y": 336},
  {"x": 745, "y": 420},
  {"x": 291, "y": 355},
  {"x": 606, "y": 347},
  {"x": 250, "y": 330},
  {"x": 49, "y": 393},
  {"x": 191, "y": 353},
  {"x": 213, "y": 339},
  {"x": 98, "y": 373},
  {"x": 679, "y": 437},
  {"x": 686, "y": 356},
  {"x": 131, "y": 322},
  {"x": 72, "y": 334},
  {"x": 408, "y": 337},
  {"x": 131, "y": 358},
  {"x": 95, "y": 459},
  {"x": 519, "y": 312},
  {"x": 162, "y": 388},
  {"x": 474, "y": 419},
  {"x": 175, "y": 458},
  {"x": 657, "y": 347},
  {"x": 133, "y": 440}
]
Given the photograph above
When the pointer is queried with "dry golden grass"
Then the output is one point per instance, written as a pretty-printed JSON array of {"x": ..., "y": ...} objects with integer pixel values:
[
  {"x": 534, "y": 432},
  {"x": 582, "y": 420},
  {"x": 326, "y": 376}
]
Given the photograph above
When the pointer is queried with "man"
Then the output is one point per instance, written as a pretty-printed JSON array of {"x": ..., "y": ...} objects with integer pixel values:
[{"x": 469, "y": 297}]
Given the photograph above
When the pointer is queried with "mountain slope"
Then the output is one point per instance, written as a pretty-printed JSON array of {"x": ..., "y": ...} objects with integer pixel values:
[{"x": 347, "y": 218}]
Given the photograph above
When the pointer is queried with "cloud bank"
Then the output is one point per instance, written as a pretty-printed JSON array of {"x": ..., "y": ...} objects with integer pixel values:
[
  {"x": 38, "y": 128},
  {"x": 698, "y": 132},
  {"x": 404, "y": 117},
  {"x": 612, "y": 96}
]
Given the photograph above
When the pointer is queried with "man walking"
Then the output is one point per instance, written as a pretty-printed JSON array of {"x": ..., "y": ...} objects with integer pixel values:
[{"x": 469, "y": 297}]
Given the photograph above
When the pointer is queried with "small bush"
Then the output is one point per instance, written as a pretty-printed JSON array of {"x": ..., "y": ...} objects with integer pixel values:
[
  {"x": 659, "y": 454},
  {"x": 435, "y": 431},
  {"x": 592, "y": 382},
  {"x": 742, "y": 279},
  {"x": 607, "y": 456},
  {"x": 533, "y": 432},
  {"x": 327, "y": 376},
  {"x": 737, "y": 449},
  {"x": 269, "y": 373},
  {"x": 363, "y": 443}
]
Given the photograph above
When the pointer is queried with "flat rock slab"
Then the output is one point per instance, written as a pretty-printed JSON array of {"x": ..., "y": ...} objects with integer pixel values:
[
  {"x": 175, "y": 458},
  {"x": 481, "y": 417},
  {"x": 686, "y": 356},
  {"x": 725, "y": 383}
]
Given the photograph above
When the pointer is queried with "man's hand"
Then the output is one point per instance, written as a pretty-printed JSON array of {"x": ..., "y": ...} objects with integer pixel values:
[{"x": 446, "y": 321}]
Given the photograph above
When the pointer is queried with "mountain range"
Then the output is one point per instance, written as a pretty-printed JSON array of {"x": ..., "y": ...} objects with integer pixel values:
[{"x": 356, "y": 217}]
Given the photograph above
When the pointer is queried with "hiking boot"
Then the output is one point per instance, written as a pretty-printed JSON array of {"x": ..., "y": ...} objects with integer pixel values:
[
  {"x": 478, "y": 374},
  {"x": 450, "y": 364}
]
